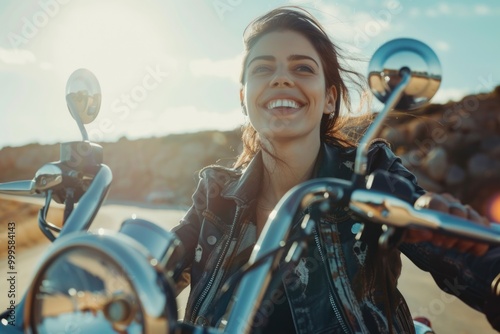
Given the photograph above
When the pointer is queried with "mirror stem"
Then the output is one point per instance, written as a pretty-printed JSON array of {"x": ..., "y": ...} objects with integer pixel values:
[
  {"x": 362, "y": 150},
  {"x": 85, "y": 136}
]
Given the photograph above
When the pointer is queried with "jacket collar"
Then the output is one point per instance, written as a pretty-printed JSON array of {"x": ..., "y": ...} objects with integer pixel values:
[{"x": 245, "y": 189}]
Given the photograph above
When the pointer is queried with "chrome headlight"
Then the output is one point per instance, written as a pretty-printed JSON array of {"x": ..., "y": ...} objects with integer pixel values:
[{"x": 102, "y": 283}]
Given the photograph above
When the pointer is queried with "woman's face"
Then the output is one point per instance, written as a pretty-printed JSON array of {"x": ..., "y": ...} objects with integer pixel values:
[{"x": 284, "y": 93}]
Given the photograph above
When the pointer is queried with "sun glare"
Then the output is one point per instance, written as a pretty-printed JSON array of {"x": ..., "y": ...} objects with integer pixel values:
[
  {"x": 117, "y": 40},
  {"x": 125, "y": 43},
  {"x": 494, "y": 208}
]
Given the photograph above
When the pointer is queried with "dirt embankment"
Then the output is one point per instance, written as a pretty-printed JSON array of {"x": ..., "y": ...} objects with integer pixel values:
[{"x": 24, "y": 218}]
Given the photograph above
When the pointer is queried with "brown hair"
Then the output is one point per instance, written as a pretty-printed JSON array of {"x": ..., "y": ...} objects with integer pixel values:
[{"x": 333, "y": 130}]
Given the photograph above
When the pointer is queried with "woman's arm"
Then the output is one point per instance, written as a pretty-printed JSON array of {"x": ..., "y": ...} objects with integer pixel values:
[{"x": 466, "y": 269}]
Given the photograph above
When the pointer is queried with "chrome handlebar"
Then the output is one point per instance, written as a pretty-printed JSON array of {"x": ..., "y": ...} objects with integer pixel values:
[
  {"x": 253, "y": 285},
  {"x": 90, "y": 202},
  {"x": 373, "y": 205},
  {"x": 387, "y": 209}
]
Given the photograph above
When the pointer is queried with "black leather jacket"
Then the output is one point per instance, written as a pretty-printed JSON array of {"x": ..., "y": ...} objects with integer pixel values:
[{"x": 340, "y": 284}]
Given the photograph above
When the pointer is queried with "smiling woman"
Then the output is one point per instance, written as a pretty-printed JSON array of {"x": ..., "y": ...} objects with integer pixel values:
[
  {"x": 292, "y": 84},
  {"x": 287, "y": 61}
]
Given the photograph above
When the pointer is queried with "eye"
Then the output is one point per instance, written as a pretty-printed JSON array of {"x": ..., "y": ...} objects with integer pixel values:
[
  {"x": 304, "y": 68},
  {"x": 261, "y": 69}
]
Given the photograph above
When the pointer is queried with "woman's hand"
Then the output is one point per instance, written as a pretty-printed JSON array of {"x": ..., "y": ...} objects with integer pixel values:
[{"x": 449, "y": 204}]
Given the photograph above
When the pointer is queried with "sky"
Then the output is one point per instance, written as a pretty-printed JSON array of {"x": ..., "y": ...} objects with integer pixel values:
[{"x": 168, "y": 66}]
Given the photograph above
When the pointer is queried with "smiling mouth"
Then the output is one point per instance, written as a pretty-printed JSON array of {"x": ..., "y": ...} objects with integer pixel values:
[{"x": 283, "y": 103}]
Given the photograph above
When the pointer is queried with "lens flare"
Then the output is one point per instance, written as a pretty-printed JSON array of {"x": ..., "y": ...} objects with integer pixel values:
[{"x": 493, "y": 208}]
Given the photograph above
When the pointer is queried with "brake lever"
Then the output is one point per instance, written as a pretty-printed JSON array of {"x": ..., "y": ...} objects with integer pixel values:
[{"x": 18, "y": 188}]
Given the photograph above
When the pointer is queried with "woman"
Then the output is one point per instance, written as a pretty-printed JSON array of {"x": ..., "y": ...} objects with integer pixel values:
[{"x": 292, "y": 85}]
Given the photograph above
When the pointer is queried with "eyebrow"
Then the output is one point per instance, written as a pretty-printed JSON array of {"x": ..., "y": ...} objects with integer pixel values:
[{"x": 289, "y": 58}]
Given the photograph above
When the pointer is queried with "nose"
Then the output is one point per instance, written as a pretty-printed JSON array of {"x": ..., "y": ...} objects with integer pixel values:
[{"x": 281, "y": 79}]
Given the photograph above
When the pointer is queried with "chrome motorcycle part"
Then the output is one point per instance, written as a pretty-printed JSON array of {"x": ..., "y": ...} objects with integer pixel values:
[
  {"x": 83, "y": 97},
  {"x": 252, "y": 286},
  {"x": 383, "y": 208},
  {"x": 89, "y": 203},
  {"x": 82, "y": 156},
  {"x": 107, "y": 282},
  {"x": 405, "y": 54},
  {"x": 404, "y": 74},
  {"x": 47, "y": 177},
  {"x": 163, "y": 245}
]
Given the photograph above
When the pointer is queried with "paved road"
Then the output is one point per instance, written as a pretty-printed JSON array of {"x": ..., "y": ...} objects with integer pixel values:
[{"x": 447, "y": 314}]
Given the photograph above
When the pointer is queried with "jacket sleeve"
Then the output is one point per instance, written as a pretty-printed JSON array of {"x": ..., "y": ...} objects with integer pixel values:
[
  {"x": 380, "y": 156},
  {"x": 188, "y": 232},
  {"x": 475, "y": 280},
  {"x": 468, "y": 277}
]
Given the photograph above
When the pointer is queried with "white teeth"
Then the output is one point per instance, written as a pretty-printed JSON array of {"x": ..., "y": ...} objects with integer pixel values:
[{"x": 282, "y": 103}]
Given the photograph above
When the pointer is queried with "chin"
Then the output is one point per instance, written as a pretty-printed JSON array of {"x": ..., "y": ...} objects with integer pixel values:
[{"x": 285, "y": 135}]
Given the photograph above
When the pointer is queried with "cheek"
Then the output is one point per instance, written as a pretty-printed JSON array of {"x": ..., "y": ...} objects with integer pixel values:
[{"x": 251, "y": 94}]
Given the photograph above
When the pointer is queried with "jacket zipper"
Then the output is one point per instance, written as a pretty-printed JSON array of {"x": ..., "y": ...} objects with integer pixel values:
[
  {"x": 205, "y": 291},
  {"x": 330, "y": 296}
]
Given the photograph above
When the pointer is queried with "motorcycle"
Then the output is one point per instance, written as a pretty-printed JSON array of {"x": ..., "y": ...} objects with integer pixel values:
[{"x": 122, "y": 282}]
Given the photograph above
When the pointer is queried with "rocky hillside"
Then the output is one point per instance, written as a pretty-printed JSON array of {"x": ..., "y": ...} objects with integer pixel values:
[{"x": 453, "y": 147}]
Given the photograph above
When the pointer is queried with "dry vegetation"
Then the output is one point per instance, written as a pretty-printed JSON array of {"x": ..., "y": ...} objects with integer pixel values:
[{"x": 24, "y": 215}]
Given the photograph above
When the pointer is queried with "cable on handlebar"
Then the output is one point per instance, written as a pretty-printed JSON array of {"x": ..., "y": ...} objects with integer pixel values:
[
  {"x": 69, "y": 203},
  {"x": 44, "y": 225}
]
